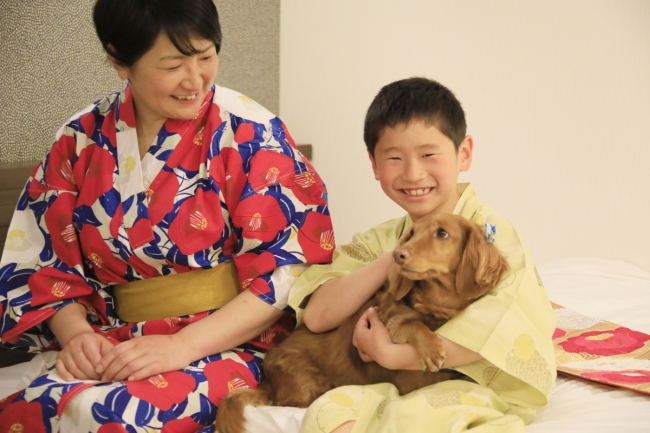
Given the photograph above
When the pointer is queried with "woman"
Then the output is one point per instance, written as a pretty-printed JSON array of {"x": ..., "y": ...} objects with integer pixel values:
[{"x": 169, "y": 176}]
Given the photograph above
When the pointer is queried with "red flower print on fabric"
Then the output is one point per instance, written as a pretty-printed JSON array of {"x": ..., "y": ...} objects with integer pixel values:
[
  {"x": 268, "y": 168},
  {"x": 111, "y": 427},
  {"x": 245, "y": 133},
  {"x": 182, "y": 425},
  {"x": 199, "y": 222},
  {"x": 147, "y": 271},
  {"x": 59, "y": 174},
  {"x": 107, "y": 267},
  {"x": 625, "y": 377},
  {"x": 23, "y": 417},
  {"x": 49, "y": 284},
  {"x": 163, "y": 390},
  {"x": 161, "y": 195},
  {"x": 227, "y": 171},
  {"x": 558, "y": 333},
  {"x": 316, "y": 238},
  {"x": 58, "y": 220},
  {"x": 168, "y": 326},
  {"x": 260, "y": 217},
  {"x": 606, "y": 343},
  {"x": 96, "y": 176},
  {"x": 190, "y": 152},
  {"x": 252, "y": 265},
  {"x": 225, "y": 375}
]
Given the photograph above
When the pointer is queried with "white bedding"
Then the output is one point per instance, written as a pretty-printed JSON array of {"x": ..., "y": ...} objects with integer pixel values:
[{"x": 608, "y": 289}]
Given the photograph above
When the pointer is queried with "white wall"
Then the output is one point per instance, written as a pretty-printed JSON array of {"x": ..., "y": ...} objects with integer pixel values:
[{"x": 556, "y": 94}]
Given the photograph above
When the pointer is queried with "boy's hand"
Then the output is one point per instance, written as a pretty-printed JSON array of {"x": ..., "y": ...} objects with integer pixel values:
[
  {"x": 373, "y": 341},
  {"x": 371, "y": 338}
]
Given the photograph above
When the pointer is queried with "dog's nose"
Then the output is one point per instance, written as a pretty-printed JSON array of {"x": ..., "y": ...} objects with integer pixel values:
[{"x": 401, "y": 255}]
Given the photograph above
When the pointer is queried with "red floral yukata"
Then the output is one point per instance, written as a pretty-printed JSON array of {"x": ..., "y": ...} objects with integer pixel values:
[{"x": 229, "y": 184}]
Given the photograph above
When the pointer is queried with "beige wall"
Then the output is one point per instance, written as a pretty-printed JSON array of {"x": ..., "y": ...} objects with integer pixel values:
[
  {"x": 52, "y": 65},
  {"x": 557, "y": 97}
]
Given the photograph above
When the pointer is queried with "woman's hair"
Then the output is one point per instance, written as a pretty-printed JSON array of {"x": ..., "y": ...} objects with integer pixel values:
[
  {"x": 128, "y": 28},
  {"x": 414, "y": 99}
]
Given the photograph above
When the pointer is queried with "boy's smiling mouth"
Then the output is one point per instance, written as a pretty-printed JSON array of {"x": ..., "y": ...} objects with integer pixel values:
[{"x": 417, "y": 191}]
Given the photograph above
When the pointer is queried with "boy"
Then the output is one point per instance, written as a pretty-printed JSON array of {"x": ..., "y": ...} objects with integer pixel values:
[{"x": 415, "y": 133}]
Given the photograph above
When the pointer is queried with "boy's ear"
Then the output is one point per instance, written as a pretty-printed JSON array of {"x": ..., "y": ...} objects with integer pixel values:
[
  {"x": 374, "y": 165},
  {"x": 465, "y": 151}
]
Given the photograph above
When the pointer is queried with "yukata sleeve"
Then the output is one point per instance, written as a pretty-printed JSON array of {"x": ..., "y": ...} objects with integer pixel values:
[
  {"x": 279, "y": 210},
  {"x": 41, "y": 269},
  {"x": 511, "y": 328},
  {"x": 364, "y": 248}
]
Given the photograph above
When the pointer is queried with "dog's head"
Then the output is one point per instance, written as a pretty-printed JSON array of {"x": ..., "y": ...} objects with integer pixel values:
[{"x": 444, "y": 262}]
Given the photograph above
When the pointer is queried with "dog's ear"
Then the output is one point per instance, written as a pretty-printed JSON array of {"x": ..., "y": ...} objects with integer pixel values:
[
  {"x": 481, "y": 266},
  {"x": 398, "y": 285}
]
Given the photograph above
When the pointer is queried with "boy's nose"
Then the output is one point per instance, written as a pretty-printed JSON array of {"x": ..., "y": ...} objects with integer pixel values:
[{"x": 414, "y": 172}]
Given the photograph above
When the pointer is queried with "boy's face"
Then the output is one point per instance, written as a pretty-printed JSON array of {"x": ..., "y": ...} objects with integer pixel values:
[{"x": 417, "y": 167}]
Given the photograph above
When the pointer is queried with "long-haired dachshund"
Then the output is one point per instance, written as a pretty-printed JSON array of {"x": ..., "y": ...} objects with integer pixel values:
[{"x": 442, "y": 265}]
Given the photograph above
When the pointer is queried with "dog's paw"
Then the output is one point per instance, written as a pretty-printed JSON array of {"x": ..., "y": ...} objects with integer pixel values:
[{"x": 432, "y": 354}]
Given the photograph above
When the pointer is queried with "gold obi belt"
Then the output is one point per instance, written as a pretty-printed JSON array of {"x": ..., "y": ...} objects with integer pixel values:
[{"x": 177, "y": 294}]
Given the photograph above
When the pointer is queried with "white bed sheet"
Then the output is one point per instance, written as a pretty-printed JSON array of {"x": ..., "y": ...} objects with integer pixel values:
[{"x": 608, "y": 289}]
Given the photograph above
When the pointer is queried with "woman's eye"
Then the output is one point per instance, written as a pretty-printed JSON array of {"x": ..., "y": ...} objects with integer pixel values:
[
  {"x": 173, "y": 68},
  {"x": 206, "y": 58},
  {"x": 442, "y": 234}
]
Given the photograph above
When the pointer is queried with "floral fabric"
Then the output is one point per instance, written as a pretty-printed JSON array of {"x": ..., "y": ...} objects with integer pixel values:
[
  {"x": 229, "y": 184},
  {"x": 600, "y": 351}
]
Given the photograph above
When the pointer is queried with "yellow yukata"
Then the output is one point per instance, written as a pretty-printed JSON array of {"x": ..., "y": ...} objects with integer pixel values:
[{"x": 511, "y": 327}]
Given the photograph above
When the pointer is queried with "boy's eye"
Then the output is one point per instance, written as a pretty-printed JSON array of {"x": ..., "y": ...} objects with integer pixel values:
[
  {"x": 206, "y": 58},
  {"x": 442, "y": 233},
  {"x": 427, "y": 155}
]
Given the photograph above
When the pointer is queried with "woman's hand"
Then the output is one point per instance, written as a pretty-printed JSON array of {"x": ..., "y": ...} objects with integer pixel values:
[
  {"x": 142, "y": 357},
  {"x": 80, "y": 356}
]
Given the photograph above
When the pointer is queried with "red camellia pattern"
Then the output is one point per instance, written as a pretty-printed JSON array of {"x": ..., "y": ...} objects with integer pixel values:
[
  {"x": 23, "y": 418},
  {"x": 182, "y": 425},
  {"x": 226, "y": 170},
  {"x": 97, "y": 175},
  {"x": 163, "y": 390},
  {"x": 606, "y": 343},
  {"x": 161, "y": 195},
  {"x": 59, "y": 174},
  {"x": 58, "y": 220},
  {"x": 625, "y": 377},
  {"x": 52, "y": 285},
  {"x": 199, "y": 222},
  {"x": 107, "y": 267},
  {"x": 260, "y": 217},
  {"x": 316, "y": 237},
  {"x": 226, "y": 375}
]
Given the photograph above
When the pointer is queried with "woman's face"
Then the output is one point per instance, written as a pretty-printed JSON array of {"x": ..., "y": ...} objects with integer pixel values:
[{"x": 168, "y": 84}]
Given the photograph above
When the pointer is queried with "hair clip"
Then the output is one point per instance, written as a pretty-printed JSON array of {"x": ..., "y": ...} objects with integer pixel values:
[{"x": 490, "y": 232}]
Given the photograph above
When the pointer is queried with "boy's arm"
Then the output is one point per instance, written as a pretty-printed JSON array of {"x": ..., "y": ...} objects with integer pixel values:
[
  {"x": 373, "y": 341},
  {"x": 339, "y": 298}
]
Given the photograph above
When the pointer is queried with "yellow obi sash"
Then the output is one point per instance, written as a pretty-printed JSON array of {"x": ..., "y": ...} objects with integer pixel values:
[{"x": 177, "y": 294}]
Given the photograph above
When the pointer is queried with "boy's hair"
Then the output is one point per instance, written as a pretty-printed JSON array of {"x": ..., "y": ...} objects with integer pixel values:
[
  {"x": 412, "y": 99},
  {"x": 128, "y": 28}
]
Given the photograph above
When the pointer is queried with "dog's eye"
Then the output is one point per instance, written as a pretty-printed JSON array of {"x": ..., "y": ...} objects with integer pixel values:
[
  {"x": 442, "y": 234},
  {"x": 408, "y": 235}
]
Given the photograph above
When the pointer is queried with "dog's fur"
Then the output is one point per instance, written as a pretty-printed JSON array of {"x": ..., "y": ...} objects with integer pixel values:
[{"x": 442, "y": 265}]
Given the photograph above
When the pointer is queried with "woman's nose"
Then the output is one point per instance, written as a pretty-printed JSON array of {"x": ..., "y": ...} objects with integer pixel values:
[{"x": 193, "y": 78}]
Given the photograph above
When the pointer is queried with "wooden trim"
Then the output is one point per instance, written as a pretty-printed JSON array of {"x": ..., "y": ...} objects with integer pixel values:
[{"x": 306, "y": 150}]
